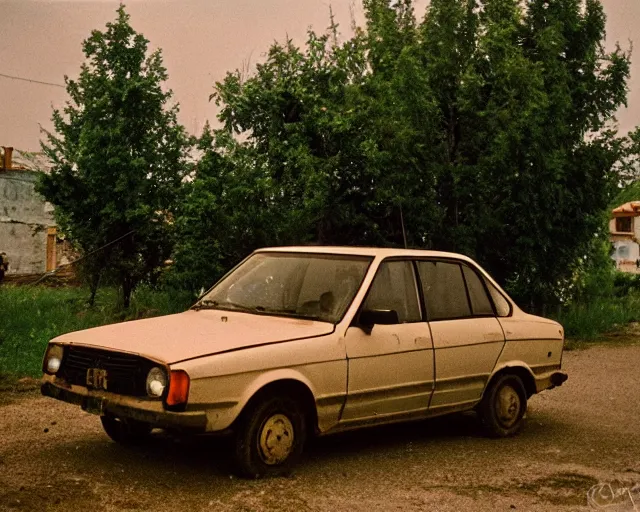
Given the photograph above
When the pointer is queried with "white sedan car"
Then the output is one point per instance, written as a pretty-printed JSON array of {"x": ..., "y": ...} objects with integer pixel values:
[{"x": 301, "y": 341}]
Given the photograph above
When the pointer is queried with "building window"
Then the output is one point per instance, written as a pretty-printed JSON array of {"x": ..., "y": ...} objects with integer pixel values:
[{"x": 623, "y": 225}]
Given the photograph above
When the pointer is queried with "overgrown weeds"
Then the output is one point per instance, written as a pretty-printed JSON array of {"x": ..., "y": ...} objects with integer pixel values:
[
  {"x": 31, "y": 316},
  {"x": 590, "y": 321}
]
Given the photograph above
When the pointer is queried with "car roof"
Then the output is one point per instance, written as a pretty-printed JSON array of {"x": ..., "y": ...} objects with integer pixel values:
[{"x": 383, "y": 252}]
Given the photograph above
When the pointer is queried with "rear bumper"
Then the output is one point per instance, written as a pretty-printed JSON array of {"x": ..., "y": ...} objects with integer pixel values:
[
  {"x": 148, "y": 411},
  {"x": 550, "y": 380}
]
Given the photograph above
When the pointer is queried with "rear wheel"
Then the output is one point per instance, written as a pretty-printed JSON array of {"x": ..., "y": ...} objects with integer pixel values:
[
  {"x": 503, "y": 406},
  {"x": 125, "y": 431},
  {"x": 270, "y": 437}
]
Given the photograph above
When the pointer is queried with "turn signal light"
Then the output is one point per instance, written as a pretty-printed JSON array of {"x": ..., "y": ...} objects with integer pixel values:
[{"x": 178, "y": 388}]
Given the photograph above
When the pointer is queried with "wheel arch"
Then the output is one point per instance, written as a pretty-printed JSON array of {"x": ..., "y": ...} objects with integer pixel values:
[
  {"x": 283, "y": 383},
  {"x": 518, "y": 368}
]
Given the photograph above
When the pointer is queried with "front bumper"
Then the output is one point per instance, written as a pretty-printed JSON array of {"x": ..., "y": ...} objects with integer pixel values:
[{"x": 148, "y": 411}]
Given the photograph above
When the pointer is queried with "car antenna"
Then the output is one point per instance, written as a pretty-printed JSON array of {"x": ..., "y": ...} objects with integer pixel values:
[{"x": 404, "y": 233}]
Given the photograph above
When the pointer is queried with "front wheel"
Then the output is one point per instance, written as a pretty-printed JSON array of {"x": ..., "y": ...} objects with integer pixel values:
[
  {"x": 270, "y": 437},
  {"x": 125, "y": 431},
  {"x": 503, "y": 406}
]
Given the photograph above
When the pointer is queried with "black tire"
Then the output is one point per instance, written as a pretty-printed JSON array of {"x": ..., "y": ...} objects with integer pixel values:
[
  {"x": 125, "y": 431},
  {"x": 503, "y": 406},
  {"x": 277, "y": 422}
]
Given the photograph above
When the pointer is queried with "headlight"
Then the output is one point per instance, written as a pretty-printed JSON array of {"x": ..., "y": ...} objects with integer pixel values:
[
  {"x": 156, "y": 382},
  {"x": 53, "y": 359}
]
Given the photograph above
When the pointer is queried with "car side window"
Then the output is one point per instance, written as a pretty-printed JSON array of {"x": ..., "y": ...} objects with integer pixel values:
[
  {"x": 444, "y": 290},
  {"x": 503, "y": 308},
  {"x": 394, "y": 287},
  {"x": 480, "y": 303}
]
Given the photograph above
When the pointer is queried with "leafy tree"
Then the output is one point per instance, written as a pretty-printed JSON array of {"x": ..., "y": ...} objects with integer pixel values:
[
  {"x": 628, "y": 169},
  {"x": 487, "y": 126},
  {"x": 118, "y": 158},
  {"x": 336, "y": 141},
  {"x": 225, "y": 210},
  {"x": 304, "y": 118},
  {"x": 539, "y": 106}
]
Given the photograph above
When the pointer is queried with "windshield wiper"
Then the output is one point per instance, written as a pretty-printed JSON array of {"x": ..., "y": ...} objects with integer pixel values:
[
  {"x": 214, "y": 304},
  {"x": 287, "y": 312}
]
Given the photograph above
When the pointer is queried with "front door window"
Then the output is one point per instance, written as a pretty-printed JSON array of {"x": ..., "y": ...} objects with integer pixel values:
[{"x": 394, "y": 288}]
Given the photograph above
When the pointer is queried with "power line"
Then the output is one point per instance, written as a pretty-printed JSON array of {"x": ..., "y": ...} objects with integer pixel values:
[{"x": 29, "y": 80}]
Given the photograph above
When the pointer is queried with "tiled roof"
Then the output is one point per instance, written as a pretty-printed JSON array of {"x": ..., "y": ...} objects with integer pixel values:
[{"x": 627, "y": 209}]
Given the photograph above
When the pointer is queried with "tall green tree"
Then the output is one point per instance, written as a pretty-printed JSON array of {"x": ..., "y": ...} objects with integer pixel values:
[
  {"x": 118, "y": 157},
  {"x": 227, "y": 208},
  {"x": 336, "y": 128},
  {"x": 538, "y": 139},
  {"x": 487, "y": 127}
]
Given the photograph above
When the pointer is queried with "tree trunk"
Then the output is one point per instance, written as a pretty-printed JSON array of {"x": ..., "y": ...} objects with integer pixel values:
[
  {"x": 93, "y": 287},
  {"x": 127, "y": 288}
]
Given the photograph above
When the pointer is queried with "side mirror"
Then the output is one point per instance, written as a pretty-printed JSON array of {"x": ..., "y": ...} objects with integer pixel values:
[{"x": 370, "y": 317}]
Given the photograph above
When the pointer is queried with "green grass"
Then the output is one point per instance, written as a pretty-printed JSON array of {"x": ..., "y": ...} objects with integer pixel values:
[
  {"x": 588, "y": 322},
  {"x": 31, "y": 315}
]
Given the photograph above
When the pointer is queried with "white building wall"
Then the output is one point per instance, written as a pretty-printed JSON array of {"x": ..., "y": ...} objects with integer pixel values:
[{"x": 24, "y": 218}]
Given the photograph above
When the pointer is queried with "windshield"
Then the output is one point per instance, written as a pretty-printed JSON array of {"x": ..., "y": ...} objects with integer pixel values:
[{"x": 314, "y": 286}]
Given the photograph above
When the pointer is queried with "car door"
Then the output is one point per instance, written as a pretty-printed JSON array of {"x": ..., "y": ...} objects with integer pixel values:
[
  {"x": 467, "y": 336},
  {"x": 390, "y": 368}
]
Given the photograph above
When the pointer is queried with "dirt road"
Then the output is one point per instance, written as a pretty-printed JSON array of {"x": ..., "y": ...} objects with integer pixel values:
[{"x": 55, "y": 457}]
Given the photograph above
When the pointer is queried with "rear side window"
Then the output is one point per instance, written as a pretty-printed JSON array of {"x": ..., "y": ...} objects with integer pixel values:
[
  {"x": 480, "y": 303},
  {"x": 503, "y": 308},
  {"x": 444, "y": 290}
]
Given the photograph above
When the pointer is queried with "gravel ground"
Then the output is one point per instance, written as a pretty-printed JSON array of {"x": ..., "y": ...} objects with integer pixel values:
[{"x": 53, "y": 456}]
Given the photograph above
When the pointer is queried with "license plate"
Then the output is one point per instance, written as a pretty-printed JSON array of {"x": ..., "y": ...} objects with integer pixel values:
[
  {"x": 92, "y": 405},
  {"x": 96, "y": 378}
]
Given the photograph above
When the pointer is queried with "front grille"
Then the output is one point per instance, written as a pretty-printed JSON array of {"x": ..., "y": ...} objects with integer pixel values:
[{"x": 126, "y": 373}]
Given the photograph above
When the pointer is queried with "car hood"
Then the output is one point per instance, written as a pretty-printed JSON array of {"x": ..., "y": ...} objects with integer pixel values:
[{"x": 194, "y": 334}]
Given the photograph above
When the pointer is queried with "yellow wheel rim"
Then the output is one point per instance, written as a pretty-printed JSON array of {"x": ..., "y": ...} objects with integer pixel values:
[
  {"x": 276, "y": 439},
  {"x": 508, "y": 405}
]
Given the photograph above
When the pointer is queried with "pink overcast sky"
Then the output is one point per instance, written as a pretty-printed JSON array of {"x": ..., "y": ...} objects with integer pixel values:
[{"x": 201, "y": 40}]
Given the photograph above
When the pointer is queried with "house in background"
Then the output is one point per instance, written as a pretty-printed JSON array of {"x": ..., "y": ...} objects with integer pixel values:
[
  {"x": 28, "y": 233},
  {"x": 624, "y": 233}
]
